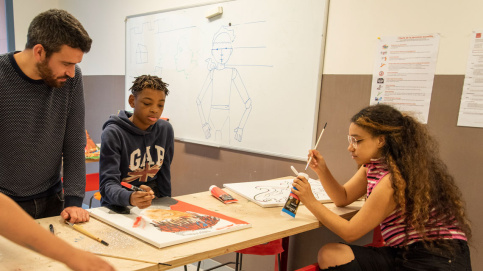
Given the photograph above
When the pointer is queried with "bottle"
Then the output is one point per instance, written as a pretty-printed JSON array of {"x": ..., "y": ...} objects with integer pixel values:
[{"x": 293, "y": 201}]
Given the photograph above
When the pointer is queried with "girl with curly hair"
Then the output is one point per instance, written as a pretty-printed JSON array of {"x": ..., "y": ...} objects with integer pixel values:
[{"x": 410, "y": 194}]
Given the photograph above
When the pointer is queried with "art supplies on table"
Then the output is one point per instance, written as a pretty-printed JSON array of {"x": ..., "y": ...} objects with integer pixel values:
[
  {"x": 221, "y": 195},
  {"x": 83, "y": 231},
  {"x": 169, "y": 222},
  {"x": 273, "y": 193}
]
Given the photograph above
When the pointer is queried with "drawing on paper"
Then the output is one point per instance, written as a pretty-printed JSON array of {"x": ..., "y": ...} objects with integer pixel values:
[
  {"x": 179, "y": 222},
  {"x": 274, "y": 193},
  {"x": 168, "y": 222},
  {"x": 219, "y": 82}
]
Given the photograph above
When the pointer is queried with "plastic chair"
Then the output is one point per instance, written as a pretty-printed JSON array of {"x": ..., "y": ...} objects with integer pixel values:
[
  {"x": 270, "y": 248},
  {"x": 377, "y": 241}
]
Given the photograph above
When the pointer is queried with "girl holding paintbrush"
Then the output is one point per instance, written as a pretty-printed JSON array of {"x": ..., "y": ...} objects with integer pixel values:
[{"x": 410, "y": 194}]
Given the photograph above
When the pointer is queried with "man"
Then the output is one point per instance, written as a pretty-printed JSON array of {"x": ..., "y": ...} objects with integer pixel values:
[{"x": 42, "y": 119}]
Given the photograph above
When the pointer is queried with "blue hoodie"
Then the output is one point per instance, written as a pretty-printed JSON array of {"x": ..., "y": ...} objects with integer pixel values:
[{"x": 123, "y": 158}]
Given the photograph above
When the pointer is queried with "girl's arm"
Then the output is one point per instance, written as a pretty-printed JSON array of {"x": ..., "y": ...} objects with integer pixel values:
[
  {"x": 341, "y": 195},
  {"x": 17, "y": 226},
  {"x": 377, "y": 207}
]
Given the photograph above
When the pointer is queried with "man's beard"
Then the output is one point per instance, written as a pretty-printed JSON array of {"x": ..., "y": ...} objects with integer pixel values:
[{"x": 47, "y": 75}]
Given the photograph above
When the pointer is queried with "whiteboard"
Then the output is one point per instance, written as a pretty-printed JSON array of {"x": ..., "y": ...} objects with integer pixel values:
[{"x": 247, "y": 80}]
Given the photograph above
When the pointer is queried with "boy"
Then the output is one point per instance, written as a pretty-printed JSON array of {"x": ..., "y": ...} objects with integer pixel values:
[{"x": 137, "y": 148}]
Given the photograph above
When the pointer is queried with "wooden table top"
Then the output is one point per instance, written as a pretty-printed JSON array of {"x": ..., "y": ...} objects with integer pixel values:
[{"x": 267, "y": 225}]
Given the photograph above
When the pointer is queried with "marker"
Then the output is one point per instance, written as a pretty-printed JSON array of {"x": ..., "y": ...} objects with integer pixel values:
[
  {"x": 316, "y": 144},
  {"x": 51, "y": 227},
  {"x": 132, "y": 187},
  {"x": 221, "y": 195},
  {"x": 82, "y": 230}
]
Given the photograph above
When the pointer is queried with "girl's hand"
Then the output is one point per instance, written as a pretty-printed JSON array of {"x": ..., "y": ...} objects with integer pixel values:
[
  {"x": 304, "y": 191},
  {"x": 318, "y": 162}
]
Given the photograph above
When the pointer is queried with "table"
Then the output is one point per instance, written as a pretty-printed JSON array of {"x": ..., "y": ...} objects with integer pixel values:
[{"x": 267, "y": 225}]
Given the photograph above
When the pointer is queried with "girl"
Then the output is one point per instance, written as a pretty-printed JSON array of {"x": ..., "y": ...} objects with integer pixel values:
[{"x": 410, "y": 194}]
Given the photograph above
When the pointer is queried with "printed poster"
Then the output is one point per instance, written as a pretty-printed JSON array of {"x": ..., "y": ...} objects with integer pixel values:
[
  {"x": 471, "y": 107},
  {"x": 404, "y": 73}
]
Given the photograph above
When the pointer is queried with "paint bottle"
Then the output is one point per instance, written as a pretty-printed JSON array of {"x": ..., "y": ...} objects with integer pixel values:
[
  {"x": 221, "y": 195},
  {"x": 293, "y": 201}
]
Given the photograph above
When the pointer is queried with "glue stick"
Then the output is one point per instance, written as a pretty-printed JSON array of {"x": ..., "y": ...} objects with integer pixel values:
[
  {"x": 293, "y": 201},
  {"x": 221, "y": 195}
]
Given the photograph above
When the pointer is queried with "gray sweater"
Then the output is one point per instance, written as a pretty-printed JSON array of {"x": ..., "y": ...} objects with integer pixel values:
[{"x": 38, "y": 126}]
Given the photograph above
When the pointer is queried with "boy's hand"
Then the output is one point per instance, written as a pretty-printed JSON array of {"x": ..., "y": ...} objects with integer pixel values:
[{"x": 142, "y": 199}]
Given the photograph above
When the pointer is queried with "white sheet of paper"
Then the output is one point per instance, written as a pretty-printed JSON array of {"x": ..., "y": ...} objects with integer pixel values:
[{"x": 273, "y": 193}]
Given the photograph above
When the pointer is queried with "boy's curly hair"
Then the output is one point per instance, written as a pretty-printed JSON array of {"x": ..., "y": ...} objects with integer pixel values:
[
  {"x": 422, "y": 184},
  {"x": 148, "y": 81}
]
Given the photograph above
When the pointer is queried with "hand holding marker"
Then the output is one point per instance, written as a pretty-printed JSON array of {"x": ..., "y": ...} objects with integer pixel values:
[{"x": 132, "y": 187}]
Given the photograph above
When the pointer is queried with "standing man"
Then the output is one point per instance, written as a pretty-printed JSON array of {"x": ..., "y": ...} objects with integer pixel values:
[{"x": 42, "y": 119}]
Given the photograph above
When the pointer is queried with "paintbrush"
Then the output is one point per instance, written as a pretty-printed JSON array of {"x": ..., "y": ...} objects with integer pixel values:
[
  {"x": 82, "y": 230},
  {"x": 130, "y": 259},
  {"x": 316, "y": 144}
]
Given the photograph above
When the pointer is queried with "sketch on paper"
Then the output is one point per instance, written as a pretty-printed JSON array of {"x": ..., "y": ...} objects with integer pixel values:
[
  {"x": 168, "y": 222},
  {"x": 220, "y": 82},
  {"x": 273, "y": 193}
]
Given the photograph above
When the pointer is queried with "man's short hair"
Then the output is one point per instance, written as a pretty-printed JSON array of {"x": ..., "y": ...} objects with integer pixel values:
[{"x": 54, "y": 28}]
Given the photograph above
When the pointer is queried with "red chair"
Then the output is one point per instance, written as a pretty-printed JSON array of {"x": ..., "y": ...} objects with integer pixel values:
[
  {"x": 270, "y": 248},
  {"x": 92, "y": 181},
  {"x": 377, "y": 241}
]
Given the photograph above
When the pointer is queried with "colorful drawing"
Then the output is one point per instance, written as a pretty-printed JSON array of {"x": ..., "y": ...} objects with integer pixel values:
[
  {"x": 168, "y": 222},
  {"x": 274, "y": 192}
]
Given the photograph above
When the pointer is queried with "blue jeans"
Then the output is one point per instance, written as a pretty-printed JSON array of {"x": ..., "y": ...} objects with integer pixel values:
[{"x": 44, "y": 207}]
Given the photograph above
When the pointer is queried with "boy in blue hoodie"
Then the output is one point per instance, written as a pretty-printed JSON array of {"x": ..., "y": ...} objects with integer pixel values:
[{"x": 137, "y": 148}]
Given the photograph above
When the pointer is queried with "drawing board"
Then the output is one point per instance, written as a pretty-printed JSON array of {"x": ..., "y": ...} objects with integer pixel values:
[
  {"x": 169, "y": 222},
  {"x": 273, "y": 193},
  {"x": 239, "y": 80}
]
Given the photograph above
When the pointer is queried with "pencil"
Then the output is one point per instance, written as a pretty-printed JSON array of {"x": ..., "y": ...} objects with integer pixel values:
[
  {"x": 130, "y": 259},
  {"x": 316, "y": 144},
  {"x": 82, "y": 230}
]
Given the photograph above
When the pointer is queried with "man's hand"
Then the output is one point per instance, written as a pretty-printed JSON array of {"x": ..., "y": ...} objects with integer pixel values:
[{"x": 75, "y": 214}]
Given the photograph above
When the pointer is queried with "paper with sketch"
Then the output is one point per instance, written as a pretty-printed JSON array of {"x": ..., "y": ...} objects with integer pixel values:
[
  {"x": 169, "y": 222},
  {"x": 273, "y": 193}
]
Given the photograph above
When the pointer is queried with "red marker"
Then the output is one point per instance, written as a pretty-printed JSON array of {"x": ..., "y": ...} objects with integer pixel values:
[{"x": 132, "y": 187}]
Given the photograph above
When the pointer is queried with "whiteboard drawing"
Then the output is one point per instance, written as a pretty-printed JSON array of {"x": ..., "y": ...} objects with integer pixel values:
[
  {"x": 141, "y": 54},
  {"x": 168, "y": 222},
  {"x": 219, "y": 82},
  {"x": 274, "y": 193},
  {"x": 185, "y": 58}
]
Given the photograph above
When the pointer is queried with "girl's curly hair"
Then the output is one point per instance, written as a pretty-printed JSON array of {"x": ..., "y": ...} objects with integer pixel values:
[{"x": 422, "y": 184}]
